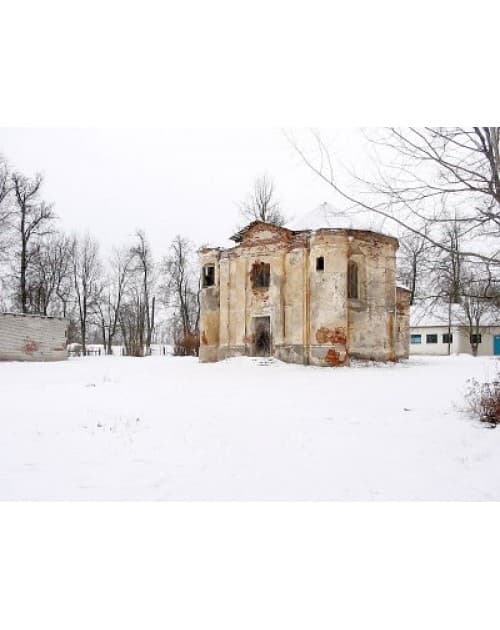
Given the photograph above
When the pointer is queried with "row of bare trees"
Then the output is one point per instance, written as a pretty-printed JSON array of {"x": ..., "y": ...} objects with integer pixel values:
[{"x": 109, "y": 300}]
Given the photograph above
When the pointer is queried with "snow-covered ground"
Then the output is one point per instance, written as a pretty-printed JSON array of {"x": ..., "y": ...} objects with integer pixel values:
[{"x": 170, "y": 428}]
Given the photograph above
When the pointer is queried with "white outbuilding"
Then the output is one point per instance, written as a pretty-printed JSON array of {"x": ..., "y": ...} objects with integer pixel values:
[{"x": 438, "y": 328}]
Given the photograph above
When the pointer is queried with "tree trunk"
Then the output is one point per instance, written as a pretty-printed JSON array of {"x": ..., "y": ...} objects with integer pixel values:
[
  {"x": 83, "y": 332},
  {"x": 22, "y": 287}
]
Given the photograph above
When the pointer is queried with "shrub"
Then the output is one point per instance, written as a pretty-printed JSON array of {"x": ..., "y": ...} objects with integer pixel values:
[
  {"x": 483, "y": 400},
  {"x": 187, "y": 345}
]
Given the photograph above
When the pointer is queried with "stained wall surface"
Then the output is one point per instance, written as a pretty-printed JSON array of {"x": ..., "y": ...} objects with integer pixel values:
[
  {"x": 311, "y": 318},
  {"x": 32, "y": 338}
]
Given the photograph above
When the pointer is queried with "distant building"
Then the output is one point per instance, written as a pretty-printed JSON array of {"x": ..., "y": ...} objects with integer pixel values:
[
  {"x": 315, "y": 297},
  {"x": 437, "y": 329},
  {"x": 32, "y": 338}
]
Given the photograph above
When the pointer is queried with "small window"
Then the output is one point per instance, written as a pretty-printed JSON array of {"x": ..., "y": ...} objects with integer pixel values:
[
  {"x": 475, "y": 339},
  {"x": 416, "y": 339},
  {"x": 431, "y": 339},
  {"x": 352, "y": 281},
  {"x": 447, "y": 338},
  {"x": 261, "y": 275},
  {"x": 208, "y": 279},
  {"x": 320, "y": 263}
]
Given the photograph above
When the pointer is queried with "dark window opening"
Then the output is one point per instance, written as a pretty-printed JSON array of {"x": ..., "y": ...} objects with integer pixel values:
[
  {"x": 431, "y": 339},
  {"x": 261, "y": 275},
  {"x": 474, "y": 339},
  {"x": 208, "y": 279},
  {"x": 320, "y": 263},
  {"x": 447, "y": 338},
  {"x": 352, "y": 281},
  {"x": 415, "y": 339}
]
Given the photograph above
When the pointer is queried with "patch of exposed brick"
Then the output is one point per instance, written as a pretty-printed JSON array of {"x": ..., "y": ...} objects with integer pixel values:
[
  {"x": 334, "y": 358},
  {"x": 204, "y": 339},
  {"x": 331, "y": 335}
]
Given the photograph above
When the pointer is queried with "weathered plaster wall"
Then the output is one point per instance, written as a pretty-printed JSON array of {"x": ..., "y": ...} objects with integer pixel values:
[
  {"x": 328, "y": 298},
  {"x": 210, "y": 310},
  {"x": 372, "y": 327},
  {"x": 32, "y": 338},
  {"x": 403, "y": 323},
  {"x": 292, "y": 347}
]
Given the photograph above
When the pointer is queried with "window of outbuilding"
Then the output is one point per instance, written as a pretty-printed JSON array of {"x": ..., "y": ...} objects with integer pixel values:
[
  {"x": 352, "y": 281},
  {"x": 320, "y": 263},
  {"x": 431, "y": 339},
  {"x": 475, "y": 339},
  {"x": 416, "y": 339},
  {"x": 261, "y": 275},
  {"x": 447, "y": 338},
  {"x": 208, "y": 277}
]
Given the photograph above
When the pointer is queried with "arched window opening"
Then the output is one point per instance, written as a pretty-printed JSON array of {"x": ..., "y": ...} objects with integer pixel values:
[{"x": 352, "y": 281}]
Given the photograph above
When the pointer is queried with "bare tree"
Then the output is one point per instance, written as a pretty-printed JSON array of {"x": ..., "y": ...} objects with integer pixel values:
[
  {"x": 112, "y": 292},
  {"x": 87, "y": 270},
  {"x": 142, "y": 261},
  {"x": 136, "y": 312},
  {"x": 31, "y": 219},
  {"x": 181, "y": 294},
  {"x": 62, "y": 264},
  {"x": 49, "y": 277},
  {"x": 413, "y": 256},
  {"x": 132, "y": 319},
  {"x": 479, "y": 302},
  {"x": 422, "y": 172},
  {"x": 261, "y": 203},
  {"x": 447, "y": 265},
  {"x": 6, "y": 188}
]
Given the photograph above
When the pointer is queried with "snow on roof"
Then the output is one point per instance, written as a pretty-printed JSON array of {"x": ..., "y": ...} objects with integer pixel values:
[
  {"x": 434, "y": 313},
  {"x": 326, "y": 216}
]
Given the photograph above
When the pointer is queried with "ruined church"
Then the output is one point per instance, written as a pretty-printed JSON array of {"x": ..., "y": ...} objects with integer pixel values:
[{"x": 318, "y": 297}]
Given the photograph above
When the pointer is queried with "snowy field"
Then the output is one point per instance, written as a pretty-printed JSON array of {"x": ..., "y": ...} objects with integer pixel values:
[{"x": 164, "y": 428}]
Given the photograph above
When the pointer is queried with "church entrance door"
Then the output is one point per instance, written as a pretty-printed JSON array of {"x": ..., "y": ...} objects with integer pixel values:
[{"x": 262, "y": 336}]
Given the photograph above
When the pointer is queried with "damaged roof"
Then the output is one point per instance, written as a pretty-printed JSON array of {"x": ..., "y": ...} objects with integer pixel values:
[{"x": 239, "y": 236}]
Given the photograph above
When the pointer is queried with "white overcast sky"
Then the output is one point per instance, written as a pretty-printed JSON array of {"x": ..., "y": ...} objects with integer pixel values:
[{"x": 167, "y": 182}]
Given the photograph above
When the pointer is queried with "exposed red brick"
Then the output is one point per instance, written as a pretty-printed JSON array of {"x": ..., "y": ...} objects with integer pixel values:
[
  {"x": 333, "y": 358},
  {"x": 331, "y": 335}
]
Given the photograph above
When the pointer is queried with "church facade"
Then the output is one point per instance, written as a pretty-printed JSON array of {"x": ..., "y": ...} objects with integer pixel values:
[{"x": 316, "y": 297}]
